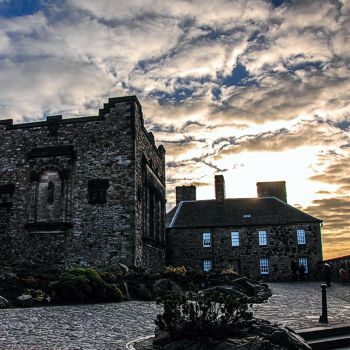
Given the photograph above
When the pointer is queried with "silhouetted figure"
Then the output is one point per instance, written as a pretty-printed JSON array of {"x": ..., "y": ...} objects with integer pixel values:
[
  {"x": 294, "y": 268},
  {"x": 327, "y": 274},
  {"x": 301, "y": 270},
  {"x": 343, "y": 275}
]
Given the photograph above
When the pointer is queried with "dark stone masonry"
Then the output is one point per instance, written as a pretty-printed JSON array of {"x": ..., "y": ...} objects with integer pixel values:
[
  {"x": 86, "y": 191},
  {"x": 256, "y": 237}
]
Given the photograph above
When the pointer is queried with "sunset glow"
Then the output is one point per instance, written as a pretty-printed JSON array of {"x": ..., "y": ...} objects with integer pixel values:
[{"x": 255, "y": 90}]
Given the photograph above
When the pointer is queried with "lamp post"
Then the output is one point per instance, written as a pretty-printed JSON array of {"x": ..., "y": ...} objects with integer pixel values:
[{"x": 324, "y": 316}]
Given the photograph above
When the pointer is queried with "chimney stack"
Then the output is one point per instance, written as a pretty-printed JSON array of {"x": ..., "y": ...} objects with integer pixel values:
[
  {"x": 219, "y": 188},
  {"x": 272, "y": 189},
  {"x": 185, "y": 193}
]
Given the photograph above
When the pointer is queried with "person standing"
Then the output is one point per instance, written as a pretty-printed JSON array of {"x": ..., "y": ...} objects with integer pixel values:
[
  {"x": 294, "y": 268},
  {"x": 343, "y": 275},
  {"x": 327, "y": 274},
  {"x": 301, "y": 271}
]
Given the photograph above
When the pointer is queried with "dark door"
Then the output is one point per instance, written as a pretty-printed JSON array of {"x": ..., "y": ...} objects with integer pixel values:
[{"x": 235, "y": 264}]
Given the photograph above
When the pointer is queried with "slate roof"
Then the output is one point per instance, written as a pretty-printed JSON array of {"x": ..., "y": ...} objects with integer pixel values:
[{"x": 235, "y": 212}]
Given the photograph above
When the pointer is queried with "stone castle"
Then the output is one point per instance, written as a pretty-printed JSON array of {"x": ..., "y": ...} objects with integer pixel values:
[{"x": 86, "y": 191}]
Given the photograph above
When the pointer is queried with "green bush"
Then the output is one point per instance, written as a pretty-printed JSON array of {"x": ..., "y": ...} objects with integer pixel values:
[
  {"x": 198, "y": 315},
  {"x": 38, "y": 295},
  {"x": 84, "y": 285}
]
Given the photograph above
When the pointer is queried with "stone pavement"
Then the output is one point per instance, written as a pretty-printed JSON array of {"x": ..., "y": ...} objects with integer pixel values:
[
  {"x": 298, "y": 304},
  {"x": 95, "y": 327},
  {"x": 111, "y": 326}
]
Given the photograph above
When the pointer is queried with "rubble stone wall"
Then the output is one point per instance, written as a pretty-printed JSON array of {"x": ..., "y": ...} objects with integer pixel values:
[
  {"x": 75, "y": 197},
  {"x": 185, "y": 247}
]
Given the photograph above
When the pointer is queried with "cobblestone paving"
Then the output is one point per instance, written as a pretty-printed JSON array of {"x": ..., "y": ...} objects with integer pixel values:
[
  {"x": 298, "y": 304},
  {"x": 111, "y": 326},
  {"x": 99, "y": 326}
]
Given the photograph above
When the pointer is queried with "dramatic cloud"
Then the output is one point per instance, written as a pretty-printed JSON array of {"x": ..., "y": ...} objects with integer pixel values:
[{"x": 242, "y": 87}]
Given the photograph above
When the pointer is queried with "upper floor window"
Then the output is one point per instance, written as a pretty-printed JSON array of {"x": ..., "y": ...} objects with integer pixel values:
[
  {"x": 262, "y": 238},
  {"x": 264, "y": 266},
  {"x": 301, "y": 236},
  {"x": 207, "y": 265},
  {"x": 303, "y": 261},
  {"x": 98, "y": 191},
  {"x": 235, "y": 239},
  {"x": 206, "y": 239}
]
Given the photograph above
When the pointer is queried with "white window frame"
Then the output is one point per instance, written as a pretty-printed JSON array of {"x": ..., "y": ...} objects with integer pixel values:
[
  {"x": 262, "y": 237},
  {"x": 235, "y": 239},
  {"x": 207, "y": 265},
  {"x": 301, "y": 236},
  {"x": 206, "y": 238},
  {"x": 305, "y": 263},
  {"x": 264, "y": 266}
]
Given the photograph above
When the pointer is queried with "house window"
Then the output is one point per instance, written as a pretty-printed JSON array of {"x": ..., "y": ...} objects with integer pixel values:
[
  {"x": 207, "y": 265},
  {"x": 303, "y": 261},
  {"x": 98, "y": 191},
  {"x": 235, "y": 239},
  {"x": 262, "y": 238},
  {"x": 206, "y": 240},
  {"x": 264, "y": 266},
  {"x": 301, "y": 236}
]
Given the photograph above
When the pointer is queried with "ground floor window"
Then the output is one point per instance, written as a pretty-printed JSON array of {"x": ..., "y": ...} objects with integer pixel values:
[
  {"x": 207, "y": 265},
  {"x": 264, "y": 266},
  {"x": 303, "y": 261}
]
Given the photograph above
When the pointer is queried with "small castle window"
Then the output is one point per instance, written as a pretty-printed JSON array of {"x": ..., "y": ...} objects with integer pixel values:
[
  {"x": 303, "y": 261},
  {"x": 207, "y": 265},
  {"x": 264, "y": 266},
  {"x": 206, "y": 240},
  {"x": 235, "y": 239},
  {"x": 50, "y": 192},
  {"x": 98, "y": 191},
  {"x": 262, "y": 238},
  {"x": 301, "y": 236}
]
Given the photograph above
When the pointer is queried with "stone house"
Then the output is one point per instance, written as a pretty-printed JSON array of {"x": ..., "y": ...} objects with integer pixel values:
[
  {"x": 258, "y": 237},
  {"x": 84, "y": 191}
]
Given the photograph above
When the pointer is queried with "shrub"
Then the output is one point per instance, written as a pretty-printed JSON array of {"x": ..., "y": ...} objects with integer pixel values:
[
  {"x": 108, "y": 277},
  {"x": 84, "y": 285},
  {"x": 31, "y": 282},
  {"x": 176, "y": 271},
  {"x": 229, "y": 272},
  {"x": 198, "y": 315},
  {"x": 38, "y": 295}
]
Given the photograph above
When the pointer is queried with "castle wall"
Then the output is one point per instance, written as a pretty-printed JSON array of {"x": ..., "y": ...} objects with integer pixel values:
[
  {"x": 150, "y": 187},
  {"x": 74, "y": 202}
]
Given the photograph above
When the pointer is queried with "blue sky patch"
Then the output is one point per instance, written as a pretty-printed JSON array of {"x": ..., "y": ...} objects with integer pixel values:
[
  {"x": 277, "y": 3},
  {"x": 239, "y": 77},
  {"x": 305, "y": 66},
  {"x": 179, "y": 95},
  {"x": 17, "y": 8}
]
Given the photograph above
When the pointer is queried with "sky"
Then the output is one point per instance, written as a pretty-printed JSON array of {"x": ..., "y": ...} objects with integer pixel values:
[{"x": 256, "y": 90}]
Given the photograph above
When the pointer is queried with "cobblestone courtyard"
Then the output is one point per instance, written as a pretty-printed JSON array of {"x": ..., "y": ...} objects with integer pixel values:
[{"x": 111, "y": 326}]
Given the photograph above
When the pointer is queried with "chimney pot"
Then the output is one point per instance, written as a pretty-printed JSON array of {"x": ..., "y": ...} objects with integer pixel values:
[
  {"x": 185, "y": 193},
  {"x": 219, "y": 188},
  {"x": 272, "y": 189}
]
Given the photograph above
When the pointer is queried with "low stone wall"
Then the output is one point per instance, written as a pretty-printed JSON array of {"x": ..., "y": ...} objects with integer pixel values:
[{"x": 337, "y": 264}]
